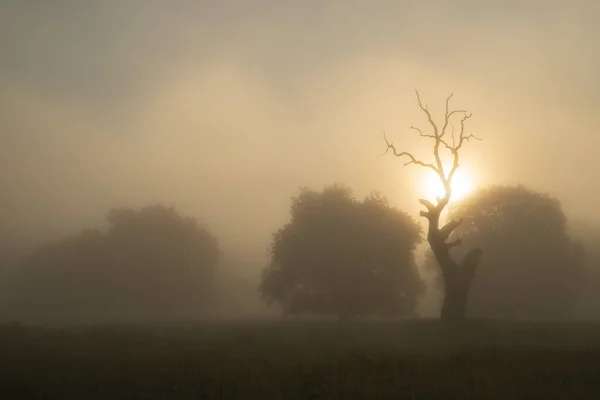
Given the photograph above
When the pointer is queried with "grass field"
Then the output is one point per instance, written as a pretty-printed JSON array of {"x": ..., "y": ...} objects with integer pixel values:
[{"x": 302, "y": 360}]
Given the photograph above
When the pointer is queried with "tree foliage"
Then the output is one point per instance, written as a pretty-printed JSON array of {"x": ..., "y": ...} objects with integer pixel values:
[
  {"x": 344, "y": 257},
  {"x": 532, "y": 268},
  {"x": 150, "y": 262},
  {"x": 588, "y": 234}
]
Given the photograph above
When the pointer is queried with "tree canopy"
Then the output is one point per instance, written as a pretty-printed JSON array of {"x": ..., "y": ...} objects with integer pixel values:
[
  {"x": 532, "y": 268},
  {"x": 343, "y": 257},
  {"x": 588, "y": 234},
  {"x": 150, "y": 262}
]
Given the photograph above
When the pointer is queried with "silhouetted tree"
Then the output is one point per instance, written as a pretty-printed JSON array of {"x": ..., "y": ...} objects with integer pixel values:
[
  {"x": 457, "y": 277},
  {"x": 588, "y": 233},
  {"x": 343, "y": 257},
  {"x": 173, "y": 259},
  {"x": 532, "y": 268},
  {"x": 151, "y": 262},
  {"x": 69, "y": 277}
]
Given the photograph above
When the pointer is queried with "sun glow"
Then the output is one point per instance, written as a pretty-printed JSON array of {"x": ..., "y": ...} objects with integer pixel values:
[{"x": 462, "y": 185}]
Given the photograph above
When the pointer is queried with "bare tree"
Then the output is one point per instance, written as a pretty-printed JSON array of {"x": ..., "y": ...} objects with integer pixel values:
[{"x": 457, "y": 277}]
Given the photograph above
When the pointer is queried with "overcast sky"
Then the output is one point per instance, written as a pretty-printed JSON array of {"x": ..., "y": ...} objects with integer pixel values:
[{"x": 224, "y": 108}]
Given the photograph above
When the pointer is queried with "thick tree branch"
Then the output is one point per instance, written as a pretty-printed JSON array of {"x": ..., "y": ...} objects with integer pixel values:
[
  {"x": 447, "y": 229},
  {"x": 454, "y": 243},
  {"x": 429, "y": 205}
]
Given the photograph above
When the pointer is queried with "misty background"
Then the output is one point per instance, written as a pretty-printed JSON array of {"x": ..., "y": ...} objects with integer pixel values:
[{"x": 223, "y": 109}]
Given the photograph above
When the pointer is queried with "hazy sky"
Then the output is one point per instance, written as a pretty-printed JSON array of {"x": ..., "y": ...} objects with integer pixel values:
[{"x": 224, "y": 108}]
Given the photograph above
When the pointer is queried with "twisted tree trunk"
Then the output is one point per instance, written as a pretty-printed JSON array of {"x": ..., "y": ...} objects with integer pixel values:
[
  {"x": 457, "y": 277},
  {"x": 457, "y": 283}
]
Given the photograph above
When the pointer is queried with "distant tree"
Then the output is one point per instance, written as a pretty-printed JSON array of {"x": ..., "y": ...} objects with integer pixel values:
[
  {"x": 69, "y": 277},
  {"x": 171, "y": 260},
  {"x": 343, "y": 257},
  {"x": 588, "y": 233},
  {"x": 532, "y": 268},
  {"x": 457, "y": 276},
  {"x": 151, "y": 262}
]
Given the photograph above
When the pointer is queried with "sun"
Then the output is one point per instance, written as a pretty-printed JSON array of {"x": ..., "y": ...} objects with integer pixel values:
[{"x": 462, "y": 185}]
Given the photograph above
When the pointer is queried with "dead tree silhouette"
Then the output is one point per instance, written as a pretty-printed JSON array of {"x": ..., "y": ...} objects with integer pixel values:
[{"x": 457, "y": 277}]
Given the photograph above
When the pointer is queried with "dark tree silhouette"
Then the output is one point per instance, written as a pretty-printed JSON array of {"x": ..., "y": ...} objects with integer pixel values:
[
  {"x": 532, "y": 269},
  {"x": 343, "y": 257},
  {"x": 150, "y": 263},
  {"x": 173, "y": 258},
  {"x": 69, "y": 277},
  {"x": 457, "y": 276},
  {"x": 588, "y": 233}
]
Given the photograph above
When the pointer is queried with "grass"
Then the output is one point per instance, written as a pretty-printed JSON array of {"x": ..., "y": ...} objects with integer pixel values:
[{"x": 302, "y": 360}]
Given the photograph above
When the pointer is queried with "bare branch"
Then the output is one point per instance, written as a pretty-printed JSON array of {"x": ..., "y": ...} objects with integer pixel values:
[
  {"x": 447, "y": 119},
  {"x": 453, "y": 138},
  {"x": 471, "y": 136},
  {"x": 426, "y": 111},
  {"x": 448, "y": 102},
  {"x": 462, "y": 136},
  {"x": 436, "y": 146},
  {"x": 448, "y": 115},
  {"x": 442, "y": 141},
  {"x": 412, "y": 159},
  {"x": 455, "y": 166},
  {"x": 462, "y": 139},
  {"x": 421, "y": 132}
]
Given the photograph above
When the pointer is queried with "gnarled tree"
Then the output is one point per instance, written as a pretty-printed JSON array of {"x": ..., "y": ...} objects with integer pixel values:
[{"x": 457, "y": 276}]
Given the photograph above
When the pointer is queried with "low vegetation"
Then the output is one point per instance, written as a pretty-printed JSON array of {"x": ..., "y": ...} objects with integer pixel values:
[{"x": 302, "y": 359}]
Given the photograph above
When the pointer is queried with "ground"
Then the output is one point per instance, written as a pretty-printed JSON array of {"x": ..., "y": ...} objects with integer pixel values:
[{"x": 302, "y": 360}]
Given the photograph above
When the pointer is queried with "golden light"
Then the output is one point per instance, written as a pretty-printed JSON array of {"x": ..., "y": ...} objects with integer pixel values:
[{"x": 462, "y": 185}]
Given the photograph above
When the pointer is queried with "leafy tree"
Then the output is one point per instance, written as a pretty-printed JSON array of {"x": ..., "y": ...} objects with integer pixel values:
[
  {"x": 588, "y": 233},
  {"x": 151, "y": 262},
  {"x": 174, "y": 258},
  {"x": 532, "y": 268},
  {"x": 457, "y": 276},
  {"x": 343, "y": 257},
  {"x": 65, "y": 278}
]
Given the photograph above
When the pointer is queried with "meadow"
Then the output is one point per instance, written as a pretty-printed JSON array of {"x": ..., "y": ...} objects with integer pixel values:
[{"x": 299, "y": 359}]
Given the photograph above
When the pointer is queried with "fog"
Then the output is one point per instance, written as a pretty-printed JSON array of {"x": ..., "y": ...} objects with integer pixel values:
[{"x": 224, "y": 109}]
